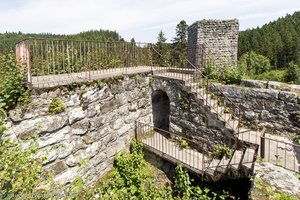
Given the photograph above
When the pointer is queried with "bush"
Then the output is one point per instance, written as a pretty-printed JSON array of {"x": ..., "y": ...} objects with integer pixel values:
[
  {"x": 231, "y": 76},
  {"x": 273, "y": 75},
  {"x": 56, "y": 106},
  {"x": 221, "y": 151},
  {"x": 20, "y": 174},
  {"x": 253, "y": 63},
  {"x": 12, "y": 87},
  {"x": 292, "y": 74},
  {"x": 210, "y": 71}
]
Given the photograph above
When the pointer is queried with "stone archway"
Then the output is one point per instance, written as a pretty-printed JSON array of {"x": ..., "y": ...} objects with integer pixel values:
[{"x": 161, "y": 110}]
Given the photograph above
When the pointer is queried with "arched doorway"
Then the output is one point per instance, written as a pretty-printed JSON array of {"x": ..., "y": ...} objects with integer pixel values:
[{"x": 161, "y": 110}]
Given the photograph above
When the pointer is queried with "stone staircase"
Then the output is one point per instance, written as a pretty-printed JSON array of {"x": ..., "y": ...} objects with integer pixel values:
[{"x": 241, "y": 163}]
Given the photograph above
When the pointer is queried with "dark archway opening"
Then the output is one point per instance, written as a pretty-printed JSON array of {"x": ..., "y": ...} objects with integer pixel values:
[{"x": 161, "y": 110}]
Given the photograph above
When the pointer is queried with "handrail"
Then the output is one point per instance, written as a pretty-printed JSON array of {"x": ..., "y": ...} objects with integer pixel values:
[{"x": 220, "y": 91}]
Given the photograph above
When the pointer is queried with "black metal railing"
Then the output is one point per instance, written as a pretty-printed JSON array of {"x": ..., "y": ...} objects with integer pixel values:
[{"x": 181, "y": 150}]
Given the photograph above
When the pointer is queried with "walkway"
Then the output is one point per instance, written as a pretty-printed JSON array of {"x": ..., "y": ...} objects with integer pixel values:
[{"x": 49, "y": 81}]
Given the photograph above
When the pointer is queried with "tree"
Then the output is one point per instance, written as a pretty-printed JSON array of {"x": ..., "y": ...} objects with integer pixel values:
[
  {"x": 161, "y": 53},
  {"x": 181, "y": 33},
  {"x": 253, "y": 63},
  {"x": 292, "y": 74},
  {"x": 179, "y": 53}
]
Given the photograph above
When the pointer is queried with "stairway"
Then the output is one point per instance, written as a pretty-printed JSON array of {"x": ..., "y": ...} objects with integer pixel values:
[{"x": 241, "y": 163}]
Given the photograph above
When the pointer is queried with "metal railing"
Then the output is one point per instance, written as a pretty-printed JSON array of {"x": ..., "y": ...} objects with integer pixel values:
[
  {"x": 193, "y": 154},
  {"x": 276, "y": 151}
]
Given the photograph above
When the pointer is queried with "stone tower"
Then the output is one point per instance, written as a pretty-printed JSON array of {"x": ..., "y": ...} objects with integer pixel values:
[{"x": 213, "y": 41}]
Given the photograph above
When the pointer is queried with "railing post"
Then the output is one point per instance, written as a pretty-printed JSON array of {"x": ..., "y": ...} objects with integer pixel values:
[
  {"x": 23, "y": 56},
  {"x": 262, "y": 144}
]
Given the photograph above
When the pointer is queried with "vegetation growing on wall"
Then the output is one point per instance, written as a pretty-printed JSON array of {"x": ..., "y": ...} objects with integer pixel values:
[
  {"x": 12, "y": 84},
  {"x": 21, "y": 176}
]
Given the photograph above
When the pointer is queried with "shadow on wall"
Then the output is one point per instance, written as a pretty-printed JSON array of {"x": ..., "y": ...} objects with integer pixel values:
[{"x": 161, "y": 110}]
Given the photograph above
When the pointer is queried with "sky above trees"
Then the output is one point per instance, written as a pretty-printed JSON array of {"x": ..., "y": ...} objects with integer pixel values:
[{"x": 142, "y": 20}]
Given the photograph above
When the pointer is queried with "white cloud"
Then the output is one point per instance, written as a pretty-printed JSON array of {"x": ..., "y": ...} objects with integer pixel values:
[{"x": 134, "y": 18}]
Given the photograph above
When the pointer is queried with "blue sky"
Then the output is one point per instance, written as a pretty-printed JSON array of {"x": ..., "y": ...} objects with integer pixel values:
[{"x": 134, "y": 18}]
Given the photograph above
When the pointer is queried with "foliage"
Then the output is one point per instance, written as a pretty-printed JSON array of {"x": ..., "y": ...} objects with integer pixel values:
[
  {"x": 263, "y": 190},
  {"x": 221, "y": 151},
  {"x": 252, "y": 63},
  {"x": 185, "y": 188},
  {"x": 21, "y": 175},
  {"x": 225, "y": 74},
  {"x": 296, "y": 139},
  {"x": 12, "y": 88},
  {"x": 182, "y": 183},
  {"x": 161, "y": 51},
  {"x": 292, "y": 74},
  {"x": 183, "y": 144},
  {"x": 56, "y": 106},
  {"x": 2, "y": 118},
  {"x": 278, "y": 40},
  {"x": 210, "y": 71},
  {"x": 8, "y": 40},
  {"x": 272, "y": 75},
  {"x": 132, "y": 178},
  {"x": 231, "y": 76},
  {"x": 179, "y": 50}
]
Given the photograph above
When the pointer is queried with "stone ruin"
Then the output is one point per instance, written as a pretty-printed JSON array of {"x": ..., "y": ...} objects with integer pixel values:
[{"x": 213, "y": 41}]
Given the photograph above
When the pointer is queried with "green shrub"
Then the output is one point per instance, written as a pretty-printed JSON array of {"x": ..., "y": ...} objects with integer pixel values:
[
  {"x": 183, "y": 144},
  {"x": 231, "y": 76},
  {"x": 221, "y": 151},
  {"x": 56, "y": 106},
  {"x": 183, "y": 183},
  {"x": 12, "y": 84},
  {"x": 272, "y": 75},
  {"x": 292, "y": 74},
  {"x": 253, "y": 63},
  {"x": 210, "y": 71},
  {"x": 20, "y": 174}
]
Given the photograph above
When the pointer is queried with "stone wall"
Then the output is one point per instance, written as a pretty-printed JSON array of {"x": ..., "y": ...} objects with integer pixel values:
[
  {"x": 98, "y": 121},
  {"x": 190, "y": 118},
  {"x": 213, "y": 40},
  {"x": 278, "y": 111}
]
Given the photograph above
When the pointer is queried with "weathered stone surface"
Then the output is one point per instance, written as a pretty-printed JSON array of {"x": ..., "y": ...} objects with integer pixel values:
[
  {"x": 41, "y": 125},
  {"x": 254, "y": 83},
  {"x": 278, "y": 177},
  {"x": 71, "y": 146},
  {"x": 95, "y": 95},
  {"x": 16, "y": 115},
  {"x": 268, "y": 108},
  {"x": 80, "y": 127},
  {"x": 76, "y": 114},
  {"x": 56, "y": 167},
  {"x": 71, "y": 161},
  {"x": 72, "y": 101},
  {"x": 95, "y": 124},
  {"x": 216, "y": 39},
  {"x": 67, "y": 176},
  {"x": 53, "y": 138}
]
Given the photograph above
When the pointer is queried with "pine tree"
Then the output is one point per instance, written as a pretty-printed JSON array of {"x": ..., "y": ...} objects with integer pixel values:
[{"x": 179, "y": 53}]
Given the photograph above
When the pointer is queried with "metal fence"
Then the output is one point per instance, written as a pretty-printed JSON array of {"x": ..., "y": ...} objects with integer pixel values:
[
  {"x": 44, "y": 57},
  {"x": 193, "y": 154},
  {"x": 274, "y": 149}
]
